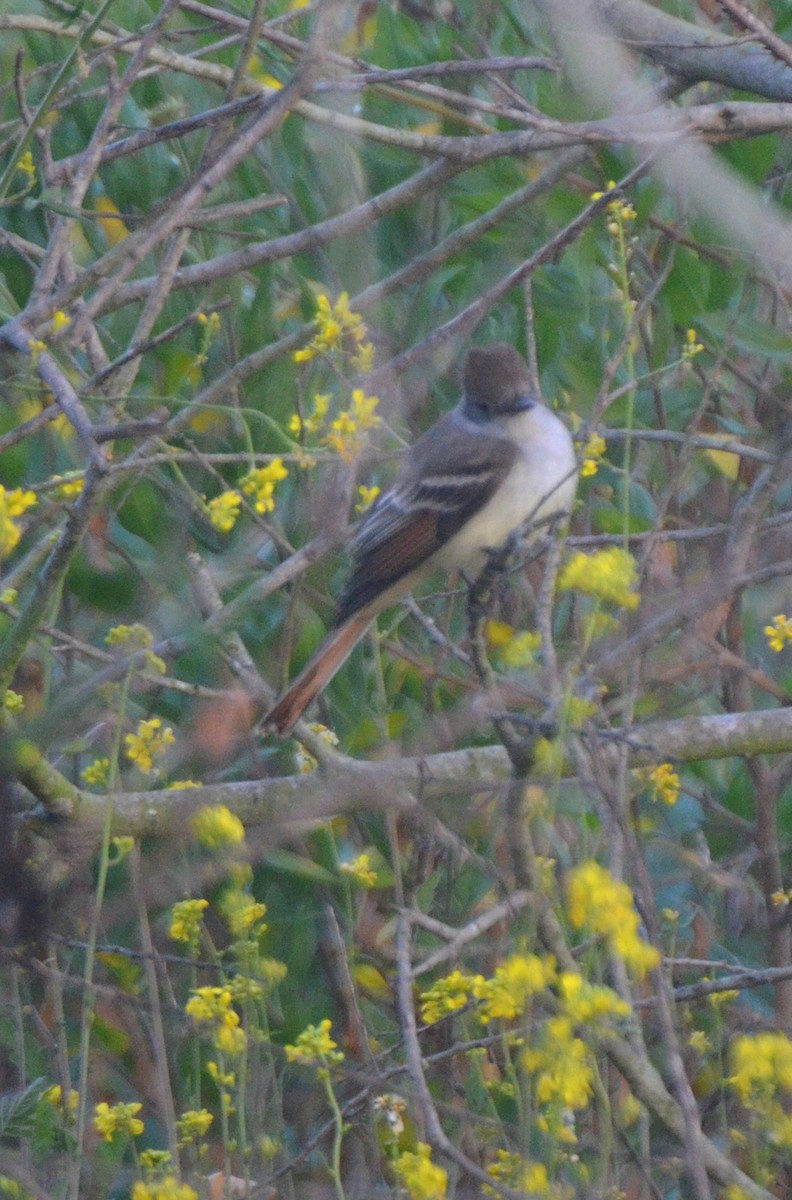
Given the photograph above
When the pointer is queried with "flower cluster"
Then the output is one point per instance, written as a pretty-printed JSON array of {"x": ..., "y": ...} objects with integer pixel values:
[
  {"x": 609, "y": 575},
  {"x": 518, "y": 1174},
  {"x": 692, "y": 346},
  {"x": 260, "y": 484},
  {"x": 339, "y": 331},
  {"x": 223, "y": 510},
  {"x": 12, "y": 505},
  {"x": 150, "y": 741},
  {"x": 360, "y": 871},
  {"x": 97, "y": 773},
  {"x": 300, "y": 426},
  {"x": 506, "y": 994},
  {"x": 620, "y": 211},
  {"x": 118, "y": 1120},
  {"x": 447, "y": 996},
  {"x": 419, "y": 1176},
  {"x": 70, "y": 488},
  {"x": 307, "y": 762},
  {"x": 345, "y": 435},
  {"x": 562, "y": 1065},
  {"x": 315, "y": 1047},
  {"x": 594, "y": 449},
  {"x": 27, "y": 167},
  {"x": 603, "y": 905},
  {"x": 663, "y": 784},
  {"x": 193, "y": 1125},
  {"x": 779, "y": 633},
  {"x": 186, "y": 921},
  {"x": 515, "y": 650},
  {"x": 134, "y": 638},
  {"x": 211, "y": 1007},
  {"x": 216, "y": 827},
  {"x": 367, "y": 497},
  {"x": 762, "y": 1079},
  {"x": 243, "y": 915},
  {"x": 166, "y": 1188}
]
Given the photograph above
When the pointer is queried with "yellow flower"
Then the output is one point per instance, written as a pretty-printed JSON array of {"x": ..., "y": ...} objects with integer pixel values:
[
  {"x": 192, "y": 1125},
  {"x": 230, "y": 1039},
  {"x": 339, "y": 330},
  {"x": 520, "y": 650},
  {"x": 155, "y": 1161},
  {"x": 363, "y": 410},
  {"x": 299, "y": 426},
  {"x": 59, "y": 321},
  {"x": 359, "y": 870},
  {"x": 422, "y": 1179},
  {"x": 447, "y": 995},
  {"x": 561, "y": 1064},
  {"x": 122, "y": 846},
  {"x": 345, "y": 432},
  {"x": 115, "y": 1120},
  {"x": 54, "y": 1097},
  {"x": 167, "y": 1188},
  {"x": 186, "y": 920},
  {"x": 513, "y": 984},
  {"x": 260, "y": 484},
  {"x": 314, "y": 1046},
  {"x": 306, "y": 762},
  {"x": 216, "y": 827},
  {"x": 134, "y": 638},
  {"x": 498, "y": 633},
  {"x": 603, "y": 905},
  {"x": 69, "y": 489},
  {"x": 211, "y": 1007},
  {"x": 517, "y": 1174},
  {"x": 149, "y": 742},
  {"x": 13, "y": 702},
  {"x": 224, "y": 1079},
  {"x": 610, "y": 575},
  {"x": 363, "y": 358},
  {"x": 692, "y": 346},
  {"x": 242, "y": 913},
  {"x": 224, "y": 509},
  {"x": 762, "y": 1065},
  {"x": 36, "y": 347},
  {"x": 779, "y": 633},
  {"x": 27, "y": 167},
  {"x": 620, "y": 210},
  {"x": 699, "y": 1041},
  {"x": 97, "y": 773},
  {"x": 12, "y": 504},
  {"x": 595, "y": 448},
  {"x": 367, "y": 497},
  {"x": 584, "y": 1002},
  {"x": 245, "y": 987},
  {"x": 664, "y": 783}
]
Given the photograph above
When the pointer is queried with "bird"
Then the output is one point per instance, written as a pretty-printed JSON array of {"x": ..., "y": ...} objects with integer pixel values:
[{"x": 498, "y": 461}]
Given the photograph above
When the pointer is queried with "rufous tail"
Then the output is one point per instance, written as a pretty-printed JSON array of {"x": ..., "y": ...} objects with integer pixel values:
[{"x": 336, "y": 647}]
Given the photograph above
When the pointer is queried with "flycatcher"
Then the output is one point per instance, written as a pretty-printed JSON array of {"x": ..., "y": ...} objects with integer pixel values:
[{"x": 498, "y": 461}]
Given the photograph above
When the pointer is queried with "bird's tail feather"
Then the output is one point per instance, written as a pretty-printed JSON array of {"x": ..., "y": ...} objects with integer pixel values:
[{"x": 336, "y": 647}]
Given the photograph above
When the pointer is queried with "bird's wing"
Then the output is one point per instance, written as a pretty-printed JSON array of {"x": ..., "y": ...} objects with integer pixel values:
[{"x": 451, "y": 475}]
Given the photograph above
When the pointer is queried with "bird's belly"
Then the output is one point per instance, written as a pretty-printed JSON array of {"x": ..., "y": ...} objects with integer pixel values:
[{"x": 535, "y": 488}]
